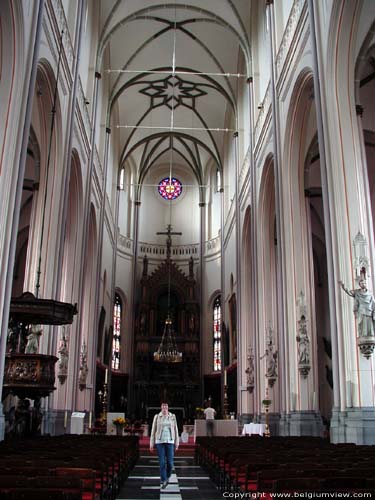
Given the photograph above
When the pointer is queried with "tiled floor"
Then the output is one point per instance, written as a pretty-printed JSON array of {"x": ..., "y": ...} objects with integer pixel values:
[{"x": 189, "y": 482}]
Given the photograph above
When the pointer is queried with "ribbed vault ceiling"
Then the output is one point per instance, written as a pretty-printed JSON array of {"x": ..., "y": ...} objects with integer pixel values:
[{"x": 171, "y": 68}]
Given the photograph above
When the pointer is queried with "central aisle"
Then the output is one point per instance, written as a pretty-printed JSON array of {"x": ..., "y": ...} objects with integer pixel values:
[{"x": 188, "y": 482}]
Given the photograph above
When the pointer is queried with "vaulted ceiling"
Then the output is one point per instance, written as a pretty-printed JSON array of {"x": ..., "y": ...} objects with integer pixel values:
[{"x": 173, "y": 70}]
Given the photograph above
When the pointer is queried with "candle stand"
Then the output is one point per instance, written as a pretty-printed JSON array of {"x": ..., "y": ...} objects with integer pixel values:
[
  {"x": 267, "y": 403},
  {"x": 225, "y": 403},
  {"x": 103, "y": 399}
]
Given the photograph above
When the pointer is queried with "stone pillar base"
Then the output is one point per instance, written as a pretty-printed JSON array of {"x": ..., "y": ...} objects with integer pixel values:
[
  {"x": 245, "y": 418},
  {"x": 306, "y": 423},
  {"x": 284, "y": 424},
  {"x": 354, "y": 425},
  {"x": 53, "y": 422}
]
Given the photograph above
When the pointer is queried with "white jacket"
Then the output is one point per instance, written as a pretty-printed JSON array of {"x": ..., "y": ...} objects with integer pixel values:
[{"x": 157, "y": 428}]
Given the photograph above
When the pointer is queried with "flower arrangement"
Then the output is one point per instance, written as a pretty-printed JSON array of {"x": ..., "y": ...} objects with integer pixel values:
[{"x": 119, "y": 421}]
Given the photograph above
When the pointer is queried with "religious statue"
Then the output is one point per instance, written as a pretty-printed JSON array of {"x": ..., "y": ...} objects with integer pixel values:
[
  {"x": 364, "y": 308},
  {"x": 303, "y": 342},
  {"x": 64, "y": 358},
  {"x": 22, "y": 418},
  {"x": 83, "y": 368},
  {"x": 32, "y": 345},
  {"x": 12, "y": 337},
  {"x": 36, "y": 418},
  {"x": 271, "y": 358},
  {"x": 303, "y": 345},
  {"x": 169, "y": 233},
  {"x": 271, "y": 362},
  {"x": 250, "y": 371}
]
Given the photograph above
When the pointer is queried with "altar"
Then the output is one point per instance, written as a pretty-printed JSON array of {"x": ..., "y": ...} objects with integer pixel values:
[
  {"x": 249, "y": 429},
  {"x": 221, "y": 428}
]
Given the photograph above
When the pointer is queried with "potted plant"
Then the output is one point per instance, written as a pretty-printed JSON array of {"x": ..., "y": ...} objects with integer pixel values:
[
  {"x": 199, "y": 412},
  {"x": 119, "y": 423}
]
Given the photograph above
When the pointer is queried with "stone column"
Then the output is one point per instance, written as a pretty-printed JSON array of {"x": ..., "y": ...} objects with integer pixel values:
[{"x": 30, "y": 79}]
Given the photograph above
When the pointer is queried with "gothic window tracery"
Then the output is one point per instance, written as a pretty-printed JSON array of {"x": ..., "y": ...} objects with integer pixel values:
[
  {"x": 217, "y": 334},
  {"x": 170, "y": 189},
  {"x": 116, "y": 342}
]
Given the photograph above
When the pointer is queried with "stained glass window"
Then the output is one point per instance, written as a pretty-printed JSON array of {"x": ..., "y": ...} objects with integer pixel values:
[
  {"x": 217, "y": 334},
  {"x": 116, "y": 342},
  {"x": 170, "y": 189}
]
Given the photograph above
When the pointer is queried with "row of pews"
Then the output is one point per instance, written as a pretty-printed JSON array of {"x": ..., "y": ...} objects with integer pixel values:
[
  {"x": 69, "y": 467},
  {"x": 286, "y": 464}
]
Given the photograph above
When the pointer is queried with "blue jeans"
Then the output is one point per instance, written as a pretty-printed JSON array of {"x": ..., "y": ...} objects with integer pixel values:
[{"x": 166, "y": 456}]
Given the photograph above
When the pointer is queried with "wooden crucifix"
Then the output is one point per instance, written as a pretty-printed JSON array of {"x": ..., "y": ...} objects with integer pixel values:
[{"x": 169, "y": 233}]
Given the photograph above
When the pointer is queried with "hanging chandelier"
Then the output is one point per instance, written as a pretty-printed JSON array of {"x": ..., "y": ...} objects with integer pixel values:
[{"x": 167, "y": 351}]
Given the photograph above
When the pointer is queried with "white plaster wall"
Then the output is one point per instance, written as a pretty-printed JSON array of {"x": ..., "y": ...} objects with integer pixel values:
[
  {"x": 156, "y": 213},
  {"x": 261, "y": 51},
  {"x": 243, "y": 107},
  {"x": 88, "y": 50},
  {"x": 282, "y": 12}
]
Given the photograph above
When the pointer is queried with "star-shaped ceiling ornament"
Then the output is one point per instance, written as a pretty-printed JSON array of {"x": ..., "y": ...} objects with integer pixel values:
[{"x": 172, "y": 91}]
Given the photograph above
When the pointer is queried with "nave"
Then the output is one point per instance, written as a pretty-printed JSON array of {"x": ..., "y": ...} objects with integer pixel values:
[
  {"x": 188, "y": 481},
  {"x": 187, "y": 202}
]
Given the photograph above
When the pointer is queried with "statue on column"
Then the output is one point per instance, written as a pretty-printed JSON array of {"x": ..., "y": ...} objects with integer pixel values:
[
  {"x": 364, "y": 308},
  {"x": 64, "y": 357},
  {"x": 271, "y": 356},
  {"x": 364, "y": 312}
]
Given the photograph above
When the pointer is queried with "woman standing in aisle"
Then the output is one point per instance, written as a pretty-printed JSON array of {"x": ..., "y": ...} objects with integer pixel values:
[{"x": 164, "y": 434}]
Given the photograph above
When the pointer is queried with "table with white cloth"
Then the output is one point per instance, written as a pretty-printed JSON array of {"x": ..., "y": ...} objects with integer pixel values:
[{"x": 249, "y": 429}]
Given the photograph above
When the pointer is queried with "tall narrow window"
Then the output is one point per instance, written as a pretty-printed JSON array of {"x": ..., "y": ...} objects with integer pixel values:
[
  {"x": 122, "y": 178},
  {"x": 217, "y": 334},
  {"x": 116, "y": 342},
  {"x": 218, "y": 180}
]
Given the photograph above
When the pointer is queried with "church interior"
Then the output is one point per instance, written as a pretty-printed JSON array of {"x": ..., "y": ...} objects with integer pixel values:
[{"x": 187, "y": 193}]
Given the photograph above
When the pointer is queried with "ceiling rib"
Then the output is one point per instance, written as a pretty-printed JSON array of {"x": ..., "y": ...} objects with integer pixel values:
[
  {"x": 198, "y": 73},
  {"x": 197, "y": 129}
]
